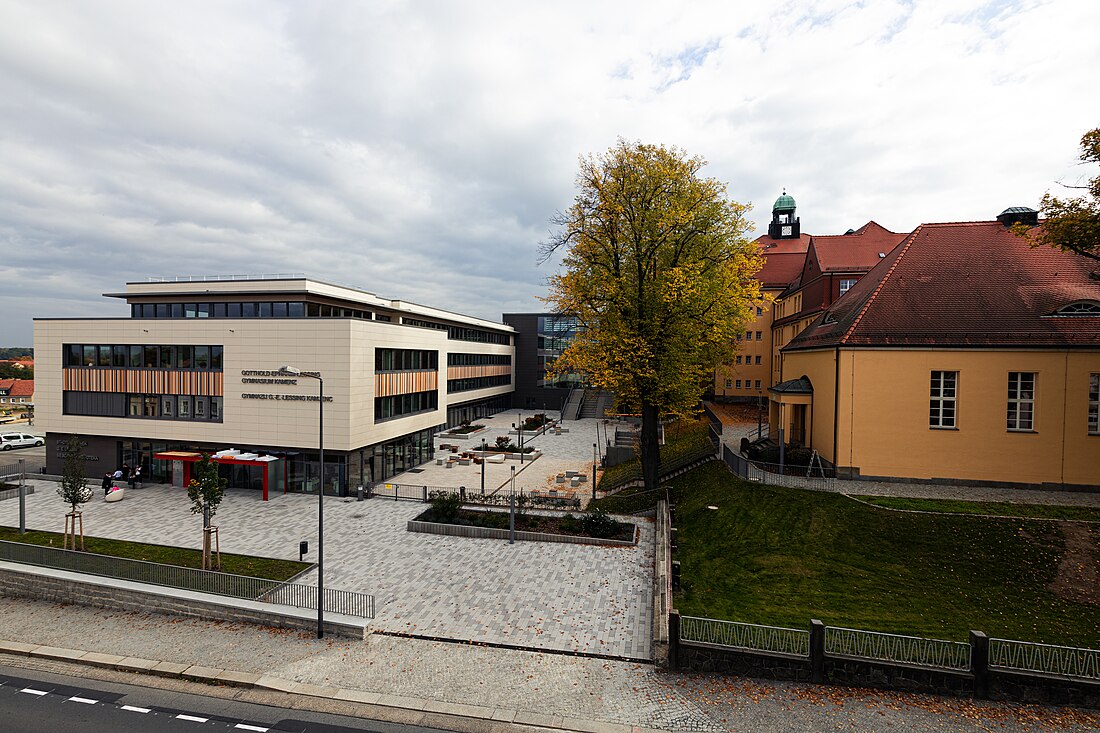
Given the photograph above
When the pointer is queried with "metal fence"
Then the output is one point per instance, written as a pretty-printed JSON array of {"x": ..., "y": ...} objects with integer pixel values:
[
  {"x": 11, "y": 471},
  {"x": 895, "y": 648},
  {"x": 794, "y": 477},
  {"x": 411, "y": 492},
  {"x": 1066, "y": 661},
  {"x": 774, "y": 639},
  {"x": 404, "y": 492},
  {"x": 205, "y": 581}
]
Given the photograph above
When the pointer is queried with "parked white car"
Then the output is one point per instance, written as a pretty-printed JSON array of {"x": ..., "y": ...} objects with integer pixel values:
[{"x": 19, "y": 440}]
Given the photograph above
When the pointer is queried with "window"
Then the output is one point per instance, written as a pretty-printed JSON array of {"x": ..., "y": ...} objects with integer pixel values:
[
  {"x": 739, "y": 360},
  {"x": 167, "y": 405},
  {"x": 1094, "y": 404},
  {"x": 184, "y": 407},
  {"x": 758, "y": 384},
  {"x": 1021, "y": 401},
  {"x": 941, "y": 403},
  {"x": 738, "y": 384},
  {"x": 846, "y": 285},
  {"x": 759, "y": 311},
  {"x": 759, "y": 335},
  {"x": 758, "y": 359},
  {"x": 729, "y": 383},
  {"x": 1083, "y": 308}
]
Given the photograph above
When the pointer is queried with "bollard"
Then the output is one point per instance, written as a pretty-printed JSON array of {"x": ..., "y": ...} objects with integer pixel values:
[
  {"x": 462, "y": 493},
  {"x": 303, "y": 549},
  {"x": 359, "y": 493}
]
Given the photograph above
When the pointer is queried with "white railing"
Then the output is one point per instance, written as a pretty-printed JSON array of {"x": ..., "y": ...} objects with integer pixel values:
[
  {"x": 774, "y": 639},
  {"x": 1066, "y": 661},
  {"x": 914, "y": 650}
]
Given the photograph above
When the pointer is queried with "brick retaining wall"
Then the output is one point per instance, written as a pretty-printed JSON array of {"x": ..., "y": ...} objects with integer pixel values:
[{"x": 462, "y": 530}]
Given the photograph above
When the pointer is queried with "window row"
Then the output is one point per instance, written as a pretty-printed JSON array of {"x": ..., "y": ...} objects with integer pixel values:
[
  {"x": 1020, "y": 401},
  {"x": 479, "y": 359},
  {"x": 149, "y": 406},
  {"x": 400, "y": 360},
  {"x": 460, "y": 333},
  {"x": 405, "y": 404},
  {"x": 423, "y": 324},
  {"x": 253, "y": 309},
  {"x": 464, "y": 385},
  {"x": 134, "y": 356},
  {"x": 748, "y": 336},
  {"x": 748, "y": 384},
  {"x": 748, "y": 359}
]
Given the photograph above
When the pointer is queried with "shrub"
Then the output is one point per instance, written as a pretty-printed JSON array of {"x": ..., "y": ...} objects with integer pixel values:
[
  {"x": 445, "y": 505},
  {"x": 598, "y": 523},
  {"x": 503, "y": 442}
]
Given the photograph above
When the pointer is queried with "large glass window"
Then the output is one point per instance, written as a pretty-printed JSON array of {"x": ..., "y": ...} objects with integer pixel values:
[
  {"x": 942, "y": 395},
  {"x": 1094, "y": 404},
  {"x": 1021, "y": 401},
  {"x": 846, "y": 285}
]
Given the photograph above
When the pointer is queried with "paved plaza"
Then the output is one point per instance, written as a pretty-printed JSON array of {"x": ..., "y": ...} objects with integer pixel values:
[{"x": 573, "y": 598}]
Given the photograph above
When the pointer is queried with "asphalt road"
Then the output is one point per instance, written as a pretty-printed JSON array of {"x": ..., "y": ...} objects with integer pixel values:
[
  {"x": 34, "y": 456},
  {"x": 33, "y": 701}
]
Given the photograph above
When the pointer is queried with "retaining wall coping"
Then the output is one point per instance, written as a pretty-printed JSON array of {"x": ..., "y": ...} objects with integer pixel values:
[{"x": 341, "y": 624}]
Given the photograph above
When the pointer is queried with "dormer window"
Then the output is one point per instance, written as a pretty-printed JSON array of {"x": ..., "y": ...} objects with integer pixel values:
[{"x": 1081, "y": 308}]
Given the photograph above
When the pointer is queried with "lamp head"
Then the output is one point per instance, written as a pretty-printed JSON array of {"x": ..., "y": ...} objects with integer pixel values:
[{"x": 290, "y": 371}]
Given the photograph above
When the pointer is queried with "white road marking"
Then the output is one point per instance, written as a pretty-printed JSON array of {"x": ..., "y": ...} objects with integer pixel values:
[
  {"x": 84, "y": 700},
  {"x": 192, "y": 718},
  {"x": 30, "y": 691},
  {"x": 242, "y": 726},
  {"x": 132, "y": 709}
]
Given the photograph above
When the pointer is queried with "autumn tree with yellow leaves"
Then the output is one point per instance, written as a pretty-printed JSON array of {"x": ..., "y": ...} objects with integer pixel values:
[{"x": 657, "y": 269}]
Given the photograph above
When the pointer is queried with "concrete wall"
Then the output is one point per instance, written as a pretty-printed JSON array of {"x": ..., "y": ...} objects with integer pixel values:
[{"x": 59, "y": 586}]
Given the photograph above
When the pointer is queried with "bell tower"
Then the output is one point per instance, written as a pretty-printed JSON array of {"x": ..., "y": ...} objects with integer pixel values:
[{"x": 784, "y": 224}]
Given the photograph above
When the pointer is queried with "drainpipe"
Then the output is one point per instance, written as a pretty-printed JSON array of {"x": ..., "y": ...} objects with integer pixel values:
[{"x": 836, "y": 407}]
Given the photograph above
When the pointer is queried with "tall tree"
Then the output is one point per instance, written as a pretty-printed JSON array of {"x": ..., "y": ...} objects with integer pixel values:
[
  {"x": 206, "y": 491},
  {"x": 1073, "y": 224},
  {"x": 74, "y": 489},
  {"x": 657, "y": 269}
]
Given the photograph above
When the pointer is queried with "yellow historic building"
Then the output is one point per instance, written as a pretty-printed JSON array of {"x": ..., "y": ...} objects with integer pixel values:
[{"x": 965, "y": 355}]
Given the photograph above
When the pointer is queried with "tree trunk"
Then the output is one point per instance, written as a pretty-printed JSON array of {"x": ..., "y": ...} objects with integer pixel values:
[{"x": 650, "y": 447}]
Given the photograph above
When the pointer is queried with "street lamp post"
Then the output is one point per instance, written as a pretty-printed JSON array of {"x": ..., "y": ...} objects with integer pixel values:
[
  {"x": 484, "y": 446},
  {"x": 512, "y": 509},
  {"x": 594, "y": 471},
  {"x": 293, "y": 372},
  {"x": 519, "y": 430}
]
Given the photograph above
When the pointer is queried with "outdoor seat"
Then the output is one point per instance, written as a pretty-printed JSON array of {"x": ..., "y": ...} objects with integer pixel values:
[{"x": 116, "y": 495}]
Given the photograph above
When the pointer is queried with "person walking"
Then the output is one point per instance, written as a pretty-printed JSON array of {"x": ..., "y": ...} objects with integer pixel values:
[{"x": 107, "y": 480}]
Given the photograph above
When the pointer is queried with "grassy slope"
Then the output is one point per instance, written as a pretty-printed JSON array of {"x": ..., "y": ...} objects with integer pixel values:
[
  {"x": 781, "y": 556},
  {"x": 257, "y": 567}
]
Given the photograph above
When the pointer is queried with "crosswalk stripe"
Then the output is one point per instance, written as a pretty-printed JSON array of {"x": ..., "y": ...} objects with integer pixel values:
[
  {"x": 192, "y": 718},
  {"x": 85, "y": 700},
  {"x": 133, "y": 709},
  {"x": 30, "y": 691},
  {"x": 242, "y": 726}
]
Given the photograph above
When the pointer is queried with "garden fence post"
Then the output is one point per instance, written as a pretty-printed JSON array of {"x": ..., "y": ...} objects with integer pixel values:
[
  {"x": 979, "y": 664},
  {"x": 817, "y": 650},
  {"x": 425, "y": 493},
  {"x": 22, "y": 496}
]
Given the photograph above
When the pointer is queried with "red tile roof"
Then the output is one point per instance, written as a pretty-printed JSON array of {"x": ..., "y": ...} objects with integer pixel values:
[
  {"x": 963, "y": 284},
  {"x": 22, "y": 388},
  {"x": 770, "y": 245},
  {"x": 855, "y": 252},
  {"x": 780, "y": 268}
]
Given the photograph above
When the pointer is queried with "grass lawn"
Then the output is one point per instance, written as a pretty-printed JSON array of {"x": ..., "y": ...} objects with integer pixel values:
[
  {"x": 1000, "y": 509},
  {"x": 780, "y": 556},
  {"x": 256, "y": 567}
]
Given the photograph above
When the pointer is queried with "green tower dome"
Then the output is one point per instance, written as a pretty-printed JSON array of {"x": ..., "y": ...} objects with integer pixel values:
[{"x": 784, "y": 203}]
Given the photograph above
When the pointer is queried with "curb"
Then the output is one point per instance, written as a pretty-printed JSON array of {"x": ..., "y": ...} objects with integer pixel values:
[{"x": 251, "y": 680}]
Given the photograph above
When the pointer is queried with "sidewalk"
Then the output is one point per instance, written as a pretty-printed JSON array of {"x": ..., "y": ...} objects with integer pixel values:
[
  {"x": 733, "y": 432},
  {"x": 481, "y": 684}
]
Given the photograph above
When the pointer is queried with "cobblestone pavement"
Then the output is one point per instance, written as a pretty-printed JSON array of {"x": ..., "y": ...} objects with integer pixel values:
[
  {"x": 732, "y": 433},
  {"x": 533, "y": 682},
  {"x": 578, "y": 598},
  {"x": 570, "y": 451}
]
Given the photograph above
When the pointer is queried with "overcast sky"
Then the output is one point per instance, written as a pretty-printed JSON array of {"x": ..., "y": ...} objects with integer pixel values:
[{"x": 418, "y": 149}]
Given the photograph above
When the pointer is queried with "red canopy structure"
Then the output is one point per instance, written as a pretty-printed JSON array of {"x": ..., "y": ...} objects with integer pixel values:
[{"x": 228, "y": 457}]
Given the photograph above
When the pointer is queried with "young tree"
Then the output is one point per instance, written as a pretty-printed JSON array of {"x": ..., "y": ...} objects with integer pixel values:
[
  {"x": 206, "y": 491},
  {"x": 1073, "y": 224},
  {"x": 74, "y": 489},
  {"x": 660, "y": 275}
]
